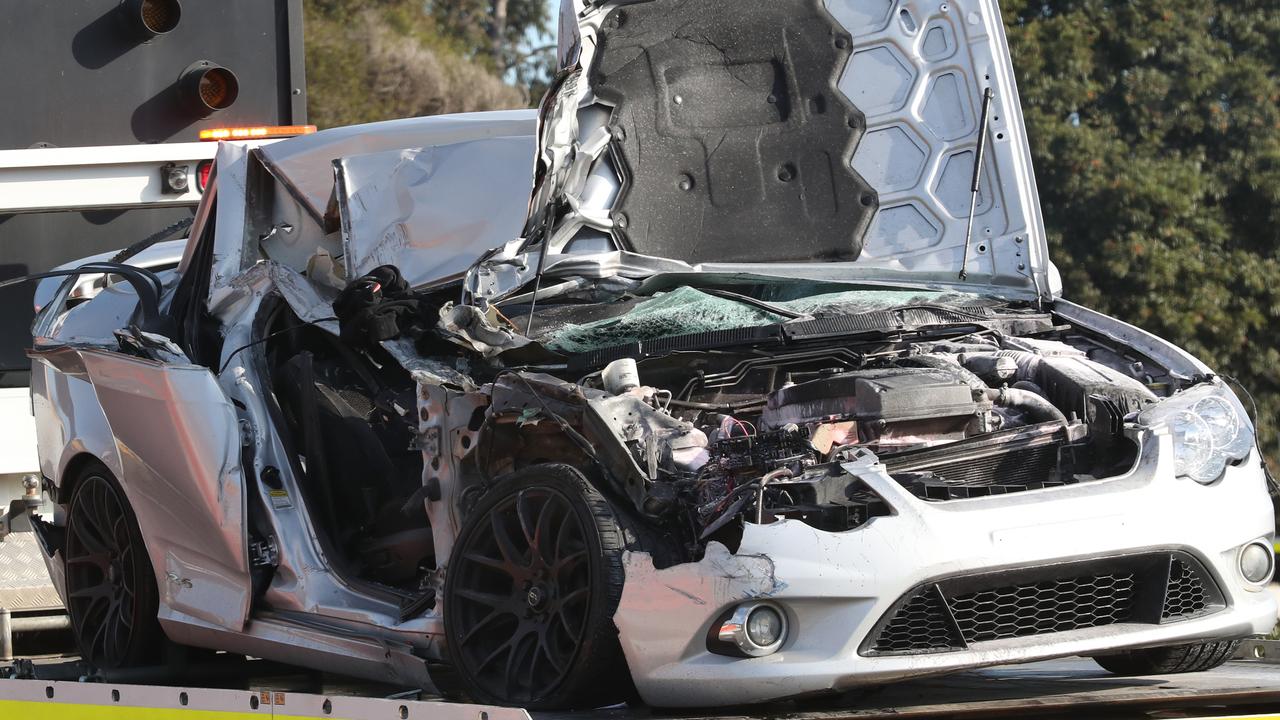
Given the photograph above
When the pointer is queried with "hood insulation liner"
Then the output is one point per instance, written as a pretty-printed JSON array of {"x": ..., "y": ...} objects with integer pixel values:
[{"x": 733, "y": 139}]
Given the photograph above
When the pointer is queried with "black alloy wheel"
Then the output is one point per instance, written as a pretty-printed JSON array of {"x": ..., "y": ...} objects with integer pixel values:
[
  {"x": 530, "y": 593},
  {"x": 111, "y": 590}
]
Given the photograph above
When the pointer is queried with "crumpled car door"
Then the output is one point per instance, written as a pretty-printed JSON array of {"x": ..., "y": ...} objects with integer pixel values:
[
  {"x": 179, "y": 454},
  {"x": 170, "y": 435}
]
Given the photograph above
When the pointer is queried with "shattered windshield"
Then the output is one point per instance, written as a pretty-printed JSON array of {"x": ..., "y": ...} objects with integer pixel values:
[{"x": 687, "y": 310}]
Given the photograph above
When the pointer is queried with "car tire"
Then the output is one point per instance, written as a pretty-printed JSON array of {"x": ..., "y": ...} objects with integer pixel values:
[
  {"x": 530, "y": 623},
  {"x": 110, "y": 584},
  {"x": 1196, "y": 657}
]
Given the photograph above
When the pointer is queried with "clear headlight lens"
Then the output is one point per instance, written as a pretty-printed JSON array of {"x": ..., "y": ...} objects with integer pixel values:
[{"x": 1210, "y": 429}]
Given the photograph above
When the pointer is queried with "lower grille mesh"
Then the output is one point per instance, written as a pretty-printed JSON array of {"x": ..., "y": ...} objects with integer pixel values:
[
  {"x": 921, "y": 624},
  {"x": 1045, "y": 607},
  {"x": 1187, "y": 596},
  {"x": 951, "y": 614}
]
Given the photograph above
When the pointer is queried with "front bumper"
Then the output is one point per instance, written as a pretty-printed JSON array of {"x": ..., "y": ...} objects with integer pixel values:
[{"x": 836, "y": 587}]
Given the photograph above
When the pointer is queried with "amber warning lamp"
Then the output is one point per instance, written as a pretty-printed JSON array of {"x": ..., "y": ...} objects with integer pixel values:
[
  {"x": 207, "y": 87},
  {"x": 150, "y": 18},
  {"x": 256, "y": 133}
]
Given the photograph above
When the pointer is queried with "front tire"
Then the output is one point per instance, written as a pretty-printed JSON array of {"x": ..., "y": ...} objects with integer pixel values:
[
  {"x": 530, "y": 592},
  {"x": 1195, "y": 657},
  {"x": 111, "y": 588}
]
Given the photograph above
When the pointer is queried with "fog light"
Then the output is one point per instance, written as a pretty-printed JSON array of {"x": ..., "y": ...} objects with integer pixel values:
[
  {"x": 754, "y": 629},
  {"x": 764, "y": 626},
  {"x": 1256, "y": 563}
]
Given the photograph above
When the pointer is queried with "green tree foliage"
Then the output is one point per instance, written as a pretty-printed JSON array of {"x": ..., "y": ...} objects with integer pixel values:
[
  {"x": 494, "y": 31},
  {"x": 370, "y": 60},
  {"x": 1155, "y": 128}
]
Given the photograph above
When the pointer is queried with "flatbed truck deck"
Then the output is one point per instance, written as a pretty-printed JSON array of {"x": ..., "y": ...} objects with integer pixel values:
[{"x": 1068, "y": 688}]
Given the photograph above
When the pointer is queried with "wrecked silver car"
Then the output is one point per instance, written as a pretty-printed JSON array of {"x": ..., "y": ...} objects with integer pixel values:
[{"x": 768, "y": 389}]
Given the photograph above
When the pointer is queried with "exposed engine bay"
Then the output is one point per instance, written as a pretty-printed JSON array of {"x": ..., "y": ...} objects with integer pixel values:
[
  {"x": 701, "y": 432},
  {"x": 764, "y": 436}
]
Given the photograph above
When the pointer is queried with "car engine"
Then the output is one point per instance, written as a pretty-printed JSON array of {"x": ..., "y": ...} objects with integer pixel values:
[{"x": 766, "y": 437}]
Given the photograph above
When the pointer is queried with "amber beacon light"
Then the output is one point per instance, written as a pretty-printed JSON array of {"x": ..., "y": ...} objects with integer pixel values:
[
  {"x": 207, "y": 87},
  {"x": 256, "y": 133},
  {"x": 151, "y": 18}
]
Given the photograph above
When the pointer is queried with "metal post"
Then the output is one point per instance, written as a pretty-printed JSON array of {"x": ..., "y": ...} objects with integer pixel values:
[{"x": 6, "y": 636}]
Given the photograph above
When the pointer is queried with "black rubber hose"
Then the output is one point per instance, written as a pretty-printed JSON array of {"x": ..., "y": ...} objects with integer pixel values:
[
  {"x": 940, "y": 363},
  {"x": 1036, "y": 408},
  {"x": 1029, "y": 387}
]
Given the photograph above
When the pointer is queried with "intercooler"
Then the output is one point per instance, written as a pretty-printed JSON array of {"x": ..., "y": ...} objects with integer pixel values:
[{"x": 1003, "y": 462}]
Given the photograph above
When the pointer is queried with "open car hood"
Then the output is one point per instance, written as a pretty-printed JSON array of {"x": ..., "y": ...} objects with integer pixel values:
[{"x": 822, "y": 138}]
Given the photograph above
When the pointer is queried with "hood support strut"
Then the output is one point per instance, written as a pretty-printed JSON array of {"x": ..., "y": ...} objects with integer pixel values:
[{"x": 976, "y": 185}]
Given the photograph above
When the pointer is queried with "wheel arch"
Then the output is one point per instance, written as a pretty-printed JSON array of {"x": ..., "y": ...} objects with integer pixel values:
[{"x": 73, "y": 467}]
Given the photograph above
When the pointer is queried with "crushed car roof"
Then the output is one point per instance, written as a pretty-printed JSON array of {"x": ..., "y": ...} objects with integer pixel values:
[{"x": 305, "y": 163}]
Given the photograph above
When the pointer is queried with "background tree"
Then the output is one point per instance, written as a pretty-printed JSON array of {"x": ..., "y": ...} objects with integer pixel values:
[
  {"x": 1155, "y": 129},
  {"x": 371, "y": 60}
]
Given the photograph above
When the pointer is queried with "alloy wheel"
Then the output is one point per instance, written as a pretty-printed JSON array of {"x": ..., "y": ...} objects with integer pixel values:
[
  {"x": 103, "y": 563},
  {"x": 521, "y": 594}
]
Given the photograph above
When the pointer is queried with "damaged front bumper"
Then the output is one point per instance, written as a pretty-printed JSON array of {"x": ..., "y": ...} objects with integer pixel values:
[{"x": 839, "y": 589}]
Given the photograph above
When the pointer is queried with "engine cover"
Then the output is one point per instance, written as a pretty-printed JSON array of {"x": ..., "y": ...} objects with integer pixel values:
[{"x": 890, "y": 395}]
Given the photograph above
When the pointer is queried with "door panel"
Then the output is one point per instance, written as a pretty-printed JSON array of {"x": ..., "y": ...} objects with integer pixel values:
[{"x": 179, "y": 448}]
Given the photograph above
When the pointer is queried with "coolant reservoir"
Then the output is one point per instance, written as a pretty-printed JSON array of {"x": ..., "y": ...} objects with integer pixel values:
[{"x": 621, "y": 376}]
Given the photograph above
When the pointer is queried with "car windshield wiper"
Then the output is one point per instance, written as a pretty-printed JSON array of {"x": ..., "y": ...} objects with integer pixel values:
[{"x": 753, "y": 302}]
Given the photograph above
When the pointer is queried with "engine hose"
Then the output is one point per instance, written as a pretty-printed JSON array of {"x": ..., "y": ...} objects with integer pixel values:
[
  {"x": 1029, "y": 387},
  {"x": 1037, "y": 408},
  {"x": 937, "y": 362}
]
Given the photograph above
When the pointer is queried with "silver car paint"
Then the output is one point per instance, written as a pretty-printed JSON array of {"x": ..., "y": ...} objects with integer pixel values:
[
  {"x": 320, "y": 618},
  {"x": 401, "y": 207}
]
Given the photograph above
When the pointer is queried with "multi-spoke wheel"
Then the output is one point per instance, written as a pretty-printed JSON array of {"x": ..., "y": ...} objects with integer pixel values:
[
  {"x": 111, "y": 591},
  {"x": 530, "y": 593}
]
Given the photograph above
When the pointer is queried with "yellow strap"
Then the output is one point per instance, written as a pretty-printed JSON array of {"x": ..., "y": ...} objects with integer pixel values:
[{"x": 51, "y": 710}]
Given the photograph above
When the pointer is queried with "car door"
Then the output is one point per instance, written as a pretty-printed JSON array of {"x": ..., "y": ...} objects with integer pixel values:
[{"x": 165, "y": 428}]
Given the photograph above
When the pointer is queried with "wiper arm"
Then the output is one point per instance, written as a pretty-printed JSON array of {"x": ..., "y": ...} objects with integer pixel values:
[
  {"x": 753, "y": 302},
  {"x": 983, "y": 126}
]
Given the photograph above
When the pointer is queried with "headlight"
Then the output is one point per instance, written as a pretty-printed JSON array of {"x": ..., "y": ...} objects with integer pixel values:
[{"x": 1210, "y": 429}]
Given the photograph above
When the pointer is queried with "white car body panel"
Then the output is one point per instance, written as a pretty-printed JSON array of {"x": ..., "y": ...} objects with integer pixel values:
[{"x": 813, "y": 574}]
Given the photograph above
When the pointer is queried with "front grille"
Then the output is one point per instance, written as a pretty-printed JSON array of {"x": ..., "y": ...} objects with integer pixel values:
[
  {"x": 952, "y": 614},
  {"x": 1045, "y": 607},
  {"x": 921, "y": 624},
  {"x": 1187, "y": 596}
]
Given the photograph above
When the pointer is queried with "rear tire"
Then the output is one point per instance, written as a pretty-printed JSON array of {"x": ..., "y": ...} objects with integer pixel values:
[
  {"x": 530, "y": 592},
  {"x": 111, "y": 588},
  {"x": 1196, "y": 657}
]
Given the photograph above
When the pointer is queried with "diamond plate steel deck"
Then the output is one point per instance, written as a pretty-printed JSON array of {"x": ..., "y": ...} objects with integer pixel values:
[{"x": 24, "y": 581}]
